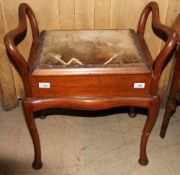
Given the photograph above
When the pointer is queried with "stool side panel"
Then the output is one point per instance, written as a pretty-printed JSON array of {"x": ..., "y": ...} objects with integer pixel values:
[{"x": 91, "y": 85}]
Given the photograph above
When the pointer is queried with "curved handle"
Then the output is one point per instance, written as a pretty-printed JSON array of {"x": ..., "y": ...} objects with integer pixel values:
[
  {"x": 162, "y": 31},
  {"x": 13, "y": 37}
]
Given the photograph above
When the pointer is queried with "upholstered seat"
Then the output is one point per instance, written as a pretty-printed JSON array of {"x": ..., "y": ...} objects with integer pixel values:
[
  {"x": 89, "y": 48},
  {"x": 62, "y": 52}
]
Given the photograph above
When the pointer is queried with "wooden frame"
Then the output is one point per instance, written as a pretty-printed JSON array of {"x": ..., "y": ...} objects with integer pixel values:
[
  {"x": 174, "y": 93},
  {"x": 32, "y": 103}
]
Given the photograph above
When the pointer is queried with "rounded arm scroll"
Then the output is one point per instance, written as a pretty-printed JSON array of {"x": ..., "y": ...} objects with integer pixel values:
[
  {"x": 162, "y": 31},
  {"x": 14, "y": 37}
]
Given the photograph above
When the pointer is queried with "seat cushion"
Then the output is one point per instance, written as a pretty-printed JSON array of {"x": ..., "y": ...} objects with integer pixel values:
[
  {"x": 90, "y": 63},
  {"x": 90, "y": 48}
]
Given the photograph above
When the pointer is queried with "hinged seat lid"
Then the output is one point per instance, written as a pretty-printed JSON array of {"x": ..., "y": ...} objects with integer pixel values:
[{"x": 90, "y": 51}]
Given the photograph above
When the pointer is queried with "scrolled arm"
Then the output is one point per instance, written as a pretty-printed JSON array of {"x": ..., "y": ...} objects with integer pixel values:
[
  {"x": 162, "y": 31},
  {"x": 15, "y": 36}
]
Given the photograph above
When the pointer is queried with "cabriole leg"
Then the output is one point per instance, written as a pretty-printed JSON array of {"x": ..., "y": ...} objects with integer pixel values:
[
  {"x": 43, "y": 114},
  {"x": 28, "y": 112},
  {"x": 132, "y": 112},
  {"x": 150, "y": 121},
  {"x": 169, "y": 110}
]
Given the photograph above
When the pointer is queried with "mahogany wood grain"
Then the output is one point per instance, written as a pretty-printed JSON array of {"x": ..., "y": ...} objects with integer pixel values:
[
  {"x": 28, "y": 112},
  {"x": 12, "y": 39},
  {"x": 173, "y": 96},
  {"x": 90, "y": 89},
  {"x": 174, "y": 92},
  {"x": 91, "y": 85},
  {"x": 163, "y": 32}
]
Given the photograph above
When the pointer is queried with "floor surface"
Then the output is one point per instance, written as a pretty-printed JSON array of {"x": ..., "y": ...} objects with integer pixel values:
[{"x": 104, "y": 143}]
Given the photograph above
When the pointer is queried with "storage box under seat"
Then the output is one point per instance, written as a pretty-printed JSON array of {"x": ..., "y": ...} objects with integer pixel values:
[{"x": 90, "y": 63}]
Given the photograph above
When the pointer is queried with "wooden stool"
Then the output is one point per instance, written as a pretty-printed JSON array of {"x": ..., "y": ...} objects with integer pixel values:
[
  {"x": 90, "y": 70},
  {"x": 174, "y": 94}
]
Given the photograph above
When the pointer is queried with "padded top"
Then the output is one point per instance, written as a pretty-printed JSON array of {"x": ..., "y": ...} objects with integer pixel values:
[{"x": 90, "y": 48}]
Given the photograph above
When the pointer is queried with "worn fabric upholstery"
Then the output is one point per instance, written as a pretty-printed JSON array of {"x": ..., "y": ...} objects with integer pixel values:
[{"x": 90, "y": 48}]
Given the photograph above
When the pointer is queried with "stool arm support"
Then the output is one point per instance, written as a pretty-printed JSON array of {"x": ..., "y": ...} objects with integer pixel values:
[
  {"x": 162, "y": 31},
  {"x": 14, "y": 37}
]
